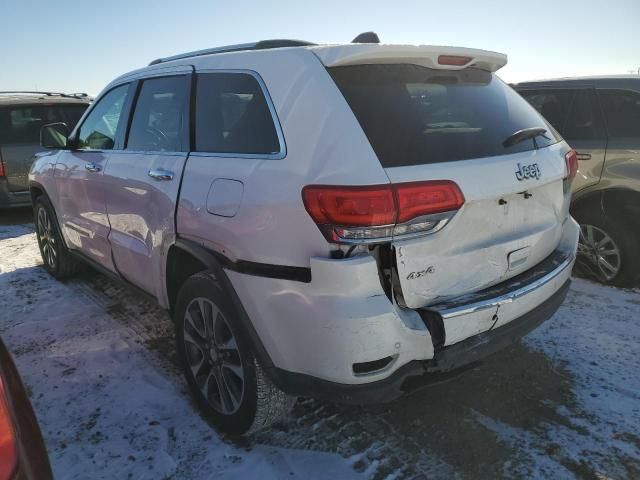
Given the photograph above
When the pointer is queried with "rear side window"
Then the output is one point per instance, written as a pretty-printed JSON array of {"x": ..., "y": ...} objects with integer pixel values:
[
  {"x": 232, "y": 115},
  {"x": 416, "y": 115},
  {"x": 159, "y": 118},
  {"x": 583, "y": 121},
  {"x": 98, "y": 131},
  {"x": 21, "y": 124},
  {"x": 573, "y": 112},
  {"x": 622, "y": 113},
  {"x": 552, "y": 104}
]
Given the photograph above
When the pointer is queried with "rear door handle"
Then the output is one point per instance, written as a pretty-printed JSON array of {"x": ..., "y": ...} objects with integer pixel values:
[
  {"x": 583, "y": 156},
  {"x": 160, "y": 174},
  {"x": 92, "y": 167}
]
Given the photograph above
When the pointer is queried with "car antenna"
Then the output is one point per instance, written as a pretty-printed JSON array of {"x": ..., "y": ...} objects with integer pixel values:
[{"x": 366, "y": 37}]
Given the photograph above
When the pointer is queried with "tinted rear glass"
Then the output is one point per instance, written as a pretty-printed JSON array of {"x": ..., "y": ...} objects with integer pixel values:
[
  {"x": 622, "y": 111},
  {"x": 21, "y": 124},
  {"x": 416, "y": 115},
  {"x": 232, "y": 115}
]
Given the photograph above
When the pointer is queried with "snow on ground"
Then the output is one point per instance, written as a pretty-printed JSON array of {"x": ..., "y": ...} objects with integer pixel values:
[
  {"x": 106, "y": 410},
  {"x": 100, "y": 367}
]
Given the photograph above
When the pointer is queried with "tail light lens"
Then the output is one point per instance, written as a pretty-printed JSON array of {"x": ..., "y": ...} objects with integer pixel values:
[
  {"x": 2, "y": 172},
  {"x": 8, "y": 452},
  {"x": 377, "y": 213},
  {"x": 571, "y": 160}
]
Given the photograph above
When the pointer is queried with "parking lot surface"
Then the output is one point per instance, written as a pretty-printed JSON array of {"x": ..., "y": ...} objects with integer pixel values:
[{"x": 100, "y": 367}]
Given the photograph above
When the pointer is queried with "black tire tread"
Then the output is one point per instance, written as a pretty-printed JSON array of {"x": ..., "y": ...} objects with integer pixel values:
[{"x": 67, "y": 265}]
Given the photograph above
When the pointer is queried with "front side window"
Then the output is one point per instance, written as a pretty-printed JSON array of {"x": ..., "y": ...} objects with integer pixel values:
[
  {"x": 622, "y": 113},
  {"x": 414, "y": 115},
  {"x": 22, "y": 124},
  {"x": 232, "y": 115},
  {"x": 99, "y": 129},
  {"x": 159, "y": 116}
]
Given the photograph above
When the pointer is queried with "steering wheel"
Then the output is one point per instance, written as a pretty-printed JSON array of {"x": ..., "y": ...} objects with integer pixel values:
[{"x": 159, "y": 138}]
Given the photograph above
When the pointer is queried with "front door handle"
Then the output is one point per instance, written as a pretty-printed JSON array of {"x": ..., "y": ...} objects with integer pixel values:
[
  {"x": 583, "y": 156},
  {"x": 160, "y": 174},
  {"x": 92, "y": 167}
]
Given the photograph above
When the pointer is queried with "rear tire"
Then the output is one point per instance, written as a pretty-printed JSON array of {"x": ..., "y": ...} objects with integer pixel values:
[
  {"x": 58, "y": 261},
  {"x": 607, "y": 250},
  {"x": 228, "y": 384}
]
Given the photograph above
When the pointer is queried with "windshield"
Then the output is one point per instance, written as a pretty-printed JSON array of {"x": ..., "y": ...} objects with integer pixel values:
[{"x": 415, "y": 115}]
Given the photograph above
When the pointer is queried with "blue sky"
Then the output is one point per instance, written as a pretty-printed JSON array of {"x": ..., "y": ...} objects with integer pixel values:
[{"x": 80, "y": 45}]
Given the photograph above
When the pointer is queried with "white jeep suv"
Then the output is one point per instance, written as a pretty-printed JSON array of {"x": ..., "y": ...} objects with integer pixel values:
[{"x": 321, "y": 220}]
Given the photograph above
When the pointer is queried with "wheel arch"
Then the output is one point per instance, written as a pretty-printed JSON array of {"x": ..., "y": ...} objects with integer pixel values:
[
  {"x": 185, "y": 258},
  {"x": 37, "y": 190}
]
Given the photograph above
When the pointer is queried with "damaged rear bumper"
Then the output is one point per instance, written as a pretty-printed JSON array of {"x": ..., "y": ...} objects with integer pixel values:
[{"x": 418, "y": 373}]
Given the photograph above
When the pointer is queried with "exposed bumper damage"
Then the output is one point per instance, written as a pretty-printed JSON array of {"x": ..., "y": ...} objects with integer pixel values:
[{"x": 347, "y": 340}]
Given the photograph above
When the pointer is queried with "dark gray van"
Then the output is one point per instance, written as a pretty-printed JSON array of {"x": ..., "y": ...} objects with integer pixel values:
[
  {"x": 600, "y": 118},
  {"x": 22, "y": 114}
]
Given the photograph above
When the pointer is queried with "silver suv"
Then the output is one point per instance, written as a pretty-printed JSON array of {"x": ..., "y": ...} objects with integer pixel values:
[
  {"x": 321, "y": 220},
  {"x": 600, "y": 118},
  {"x": 22, "y": 114}
]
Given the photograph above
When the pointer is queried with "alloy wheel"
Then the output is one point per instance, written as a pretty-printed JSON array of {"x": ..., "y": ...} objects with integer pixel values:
[
  {"x": 599, "y": 252},
  {"x": 47, "y": 238},
  {"x": 213, "y": 356}
]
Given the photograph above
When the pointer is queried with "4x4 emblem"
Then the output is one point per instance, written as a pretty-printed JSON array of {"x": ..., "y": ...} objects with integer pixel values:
[
  {"x": 421, "y": 273},
  {"x": 528, "y": 171}
]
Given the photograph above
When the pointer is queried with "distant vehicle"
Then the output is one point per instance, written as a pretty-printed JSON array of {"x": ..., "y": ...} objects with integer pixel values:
[
  {"x": 600, "y": 118},
  {"x": 325, "y": 221},
  {"x": 23, "y": 455},
  {"x": 21, "y": 116}
]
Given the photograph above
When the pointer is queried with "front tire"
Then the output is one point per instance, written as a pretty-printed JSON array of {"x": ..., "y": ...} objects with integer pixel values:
[
  {"x": 57, "y": 259},
  {"x": 227, "y": 382}
]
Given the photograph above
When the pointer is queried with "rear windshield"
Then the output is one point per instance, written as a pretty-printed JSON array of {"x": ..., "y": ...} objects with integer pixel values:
[
  {"x": 22, "y": 123},
  {"x": 415, "y": 115}
]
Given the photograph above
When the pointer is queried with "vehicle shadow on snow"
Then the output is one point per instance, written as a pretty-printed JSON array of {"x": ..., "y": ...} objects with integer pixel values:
[{"x": 441, "y": 426}]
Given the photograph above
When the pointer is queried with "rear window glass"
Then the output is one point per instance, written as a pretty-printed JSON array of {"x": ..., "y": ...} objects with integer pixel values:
[
  {"x": 232, "y": 115},
  {"x": 416, "y": 115},
  {"x": 21, "y": 124}
]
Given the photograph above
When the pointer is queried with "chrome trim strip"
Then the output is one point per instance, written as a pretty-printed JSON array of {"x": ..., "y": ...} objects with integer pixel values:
[
  {"x": 509, "y": 297},
  {"x": 441, "y": 220}
]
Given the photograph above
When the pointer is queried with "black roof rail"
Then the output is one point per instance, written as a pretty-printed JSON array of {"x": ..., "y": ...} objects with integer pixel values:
[
  {"x": 47, "y": 94},
  {"x": 261, "y": 45}
]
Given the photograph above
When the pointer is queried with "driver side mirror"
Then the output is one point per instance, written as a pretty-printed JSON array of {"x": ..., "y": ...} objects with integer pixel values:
[{"x": 55, "y": 135}]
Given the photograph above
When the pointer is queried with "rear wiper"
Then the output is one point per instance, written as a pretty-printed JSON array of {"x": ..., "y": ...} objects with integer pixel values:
[{"x": 525, "y": 134}]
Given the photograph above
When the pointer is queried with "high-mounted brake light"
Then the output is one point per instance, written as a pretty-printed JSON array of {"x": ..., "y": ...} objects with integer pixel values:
[
  {"x": 453, "y": 60},
  {"x": 8, "y": 452},
  {"x": 571, "y": 160},
  {"x": 369, "y": 214}
]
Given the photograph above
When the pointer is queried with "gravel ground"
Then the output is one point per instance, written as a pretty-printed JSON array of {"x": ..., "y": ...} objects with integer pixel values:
[{"x": 100, "y": 365}]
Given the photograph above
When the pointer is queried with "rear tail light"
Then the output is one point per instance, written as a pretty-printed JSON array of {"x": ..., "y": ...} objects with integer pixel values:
[
  {"x": 2, "y": 171},
  {"x": 571, "y": 160},
  {"x": 370, "y": 214},
  {"x": 453, "y": 60},
  {"x": 8, "y": 452}
]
